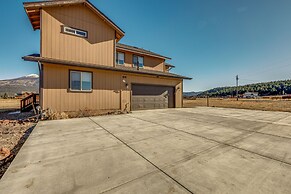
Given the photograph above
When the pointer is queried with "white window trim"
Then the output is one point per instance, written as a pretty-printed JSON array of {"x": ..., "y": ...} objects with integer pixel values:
[
  {"x": 65, "y": 28},
  {"x": 81, "y": 90}
]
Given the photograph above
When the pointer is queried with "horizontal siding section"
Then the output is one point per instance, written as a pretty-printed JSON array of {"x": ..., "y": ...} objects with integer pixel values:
[
  {"x": 109, "y": 89},
  {"x": 98, "y": 48}
]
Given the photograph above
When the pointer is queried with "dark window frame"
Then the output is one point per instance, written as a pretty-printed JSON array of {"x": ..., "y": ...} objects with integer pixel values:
[
  {"x": 134, "y": 65},
  {"x": 73, "y": 34},
  {"x": 116, "y": 61},
  {"x": 80, "y": 91}
]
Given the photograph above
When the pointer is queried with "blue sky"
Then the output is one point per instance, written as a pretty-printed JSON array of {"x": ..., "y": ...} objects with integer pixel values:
[{"x": 209, "y": 40}]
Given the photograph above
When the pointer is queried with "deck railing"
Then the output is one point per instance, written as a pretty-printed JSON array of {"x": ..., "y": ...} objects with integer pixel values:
[{"x": 28, "y": 103}]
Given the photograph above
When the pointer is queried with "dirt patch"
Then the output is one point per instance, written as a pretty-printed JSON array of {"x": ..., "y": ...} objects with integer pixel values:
[
  {"x": 50, "y": 115},
  {"x": 253, "y": 104},
  {"x": 91, "y": 113},
  {"x": 14, "y": 130}
]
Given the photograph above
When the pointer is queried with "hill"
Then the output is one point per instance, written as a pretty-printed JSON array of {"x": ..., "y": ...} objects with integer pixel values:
[
  {"x": 190, "y": 94},
  {"x": 264, "y": 89},
  {"x": 27, "y": 83}
]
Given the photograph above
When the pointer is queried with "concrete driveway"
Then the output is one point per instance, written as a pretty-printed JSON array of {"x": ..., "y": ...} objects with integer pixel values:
[{"x": 199, "y": 150}]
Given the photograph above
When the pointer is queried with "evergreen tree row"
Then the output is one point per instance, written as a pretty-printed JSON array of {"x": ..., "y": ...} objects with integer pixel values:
[{"x": 264, "y": 89}]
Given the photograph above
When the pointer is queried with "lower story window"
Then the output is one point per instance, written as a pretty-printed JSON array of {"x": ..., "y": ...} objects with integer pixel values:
[{"x": 80, "y": 81}]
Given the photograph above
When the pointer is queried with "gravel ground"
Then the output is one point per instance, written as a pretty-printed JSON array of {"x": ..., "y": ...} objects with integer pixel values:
[{"x": 14, "y": 130}]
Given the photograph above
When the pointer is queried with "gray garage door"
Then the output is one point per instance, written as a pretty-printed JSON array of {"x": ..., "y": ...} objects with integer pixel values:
[{"x": 152, "y": 97}]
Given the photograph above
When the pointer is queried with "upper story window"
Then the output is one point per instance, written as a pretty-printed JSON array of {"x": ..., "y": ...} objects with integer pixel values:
[
  {"x": 80, "y": 81},
  {"x": 138, "y": 60},
  {"x": 119, "y": 58},
  {"x": 74, "y": 31}
]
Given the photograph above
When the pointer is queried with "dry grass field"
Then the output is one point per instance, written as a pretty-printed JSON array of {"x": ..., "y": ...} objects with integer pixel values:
[
  {"x": 254, "y": 104},
  {"x": 9, "y": 104}
]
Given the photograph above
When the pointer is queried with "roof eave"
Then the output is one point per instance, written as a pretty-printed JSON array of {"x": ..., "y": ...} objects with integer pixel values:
[
  {"x": 31, "y": 22},
  {"x": 117, "y": 28},
  {"x": 38, "y": 5},
  {"x": 169, "y": 65},
  {"x": 71, "y": 63},
  {"x": 142, "y": 53}
]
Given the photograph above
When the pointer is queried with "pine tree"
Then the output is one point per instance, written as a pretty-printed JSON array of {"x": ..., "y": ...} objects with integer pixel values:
[{"x": 5, "y": 96}]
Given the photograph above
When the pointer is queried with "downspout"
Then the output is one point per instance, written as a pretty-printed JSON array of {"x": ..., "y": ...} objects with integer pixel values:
[
  {"x": 114, "y": 51},
  {"x": 39, "y": 66},
  {"x": 182, "y": 89},
  {"x": 40, "y": 83},
  {"x": 40, "y": 86}
]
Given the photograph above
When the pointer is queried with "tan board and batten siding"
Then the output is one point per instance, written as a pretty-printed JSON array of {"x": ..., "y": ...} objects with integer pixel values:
[
  {"x": 98, "y": 48},
  {"x": 152, "y": 63},
  {"x": 109, "y": 91}
]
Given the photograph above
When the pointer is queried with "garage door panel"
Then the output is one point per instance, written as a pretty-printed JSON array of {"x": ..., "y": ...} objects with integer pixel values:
[
  {"x": 152, "y": 97},
  {"x": 149, "y": 102}
]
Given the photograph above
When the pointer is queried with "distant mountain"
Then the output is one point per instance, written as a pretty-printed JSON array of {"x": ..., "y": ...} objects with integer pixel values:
[
  {"x": 264, "y": 89},
  {"x": 190, "y": 94},
  {"x": 28, "y": 83}
]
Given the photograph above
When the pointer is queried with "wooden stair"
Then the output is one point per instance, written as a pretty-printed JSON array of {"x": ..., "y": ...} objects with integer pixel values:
[{"x": 28, "y": 103}]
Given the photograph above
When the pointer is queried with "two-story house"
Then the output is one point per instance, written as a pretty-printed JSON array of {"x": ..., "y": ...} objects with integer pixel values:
[{"x": 84, "y": 67}]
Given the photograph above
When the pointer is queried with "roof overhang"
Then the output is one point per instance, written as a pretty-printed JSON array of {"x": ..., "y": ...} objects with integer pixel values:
[
  {"x": 37, "y": 58},
  {"x": 169, "y": 65},
  {"x": 32, "y": 10},
  {"x": 123, "y": 47}
]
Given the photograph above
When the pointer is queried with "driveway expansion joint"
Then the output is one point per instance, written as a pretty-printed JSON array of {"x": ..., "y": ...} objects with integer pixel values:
[
  {"x": 204, "y": 153},
  {"x": 222, "y": 143},
  {"x": 258, "y": 131},
  {"x": 127, "y": 145}
]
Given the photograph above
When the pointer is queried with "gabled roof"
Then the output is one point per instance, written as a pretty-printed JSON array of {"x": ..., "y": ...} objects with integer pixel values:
[
  {"x": 33, "y": 12},
  {"x": 139, "y": 51},
  {"x": 37, "y": 58}
]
